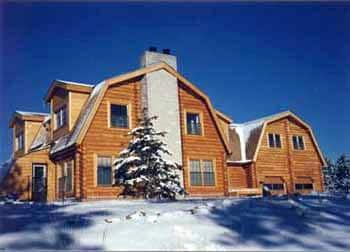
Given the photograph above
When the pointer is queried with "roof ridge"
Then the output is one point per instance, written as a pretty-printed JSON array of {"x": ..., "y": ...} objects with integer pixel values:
[
  {"x": 261, "y": 119},
  {"x": 75, "y": 83},
  {"x": 31, "y": 112}
]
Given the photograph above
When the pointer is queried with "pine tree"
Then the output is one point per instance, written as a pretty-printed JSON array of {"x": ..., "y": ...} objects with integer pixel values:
[
  {"x": 337, "y": 176},
  {"x": 329, "y": 176},
  {"x": 141, "y": 168},
  {"x": 343, "y": 174}
]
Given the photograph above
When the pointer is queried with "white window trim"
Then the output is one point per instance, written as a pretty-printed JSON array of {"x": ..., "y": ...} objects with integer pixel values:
[
  {"x": 298, "y": 143},
  {"x": 18, "y": 141},
  {"x": 274, "y": 139},
  {"x": 38, "y": 165},
  {"x": 59, "y": 117},
  {"x": 128, "y": 112}
]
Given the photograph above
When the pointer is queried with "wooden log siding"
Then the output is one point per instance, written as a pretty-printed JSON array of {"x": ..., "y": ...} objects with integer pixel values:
[
  {"x": 206, "y": 147},
  {"x": 306, "y": 162},
  {"x": 237, "y": 176},
  {"x": 31, "y": 130},
  {"x": 287, "y": 162},
  {"x": 105, "y": 141},
  {"x": 19, "y": 179},
  {"x": 76, "y": 102}
]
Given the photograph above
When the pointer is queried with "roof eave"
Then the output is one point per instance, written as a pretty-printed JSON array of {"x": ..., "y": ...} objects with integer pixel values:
[{"x": 69, "y": 87}]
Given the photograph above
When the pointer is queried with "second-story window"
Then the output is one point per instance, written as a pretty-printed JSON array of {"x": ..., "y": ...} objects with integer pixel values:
[
  {"x": 61, "y": 117},
  {"x": 298, "y": 143},
  {"x": 119, "y": 116},
  {"x": 274, "y": 140},
  {"x": 193, "y": 122},
  {"x": 20, "y": 141}
]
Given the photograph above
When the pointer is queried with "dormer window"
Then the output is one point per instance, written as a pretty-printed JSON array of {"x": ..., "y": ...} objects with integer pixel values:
[
  {"x": 20, "y": 141},
  {"x": 61, "y": 117}
]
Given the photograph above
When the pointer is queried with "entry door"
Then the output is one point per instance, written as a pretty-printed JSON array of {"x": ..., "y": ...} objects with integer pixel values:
[{"x": 39, "y": 185}]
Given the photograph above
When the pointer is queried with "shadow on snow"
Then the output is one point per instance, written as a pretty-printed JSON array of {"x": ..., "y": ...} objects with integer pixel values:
[
  {"x": 36, "y": 218},
  {"x": 270, "y": 224}
]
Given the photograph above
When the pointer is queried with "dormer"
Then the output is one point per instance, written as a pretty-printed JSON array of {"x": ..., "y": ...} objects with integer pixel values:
[
  {"x": 66, "y": 100},
  {"x": 25, "y": 127}
]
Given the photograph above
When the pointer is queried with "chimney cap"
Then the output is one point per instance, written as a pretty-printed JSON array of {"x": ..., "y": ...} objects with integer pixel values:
[
  {"x": 152, "y": 49},
  {"x": 166, "y": 51}
]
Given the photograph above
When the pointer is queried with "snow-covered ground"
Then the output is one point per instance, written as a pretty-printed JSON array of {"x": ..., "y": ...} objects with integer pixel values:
[{"x": 307, "y": 223}]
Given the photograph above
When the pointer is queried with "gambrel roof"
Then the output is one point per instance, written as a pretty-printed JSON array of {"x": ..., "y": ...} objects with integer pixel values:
[
  {"x": 245, "y": 139},
  {"x": 89, "y": 110}
]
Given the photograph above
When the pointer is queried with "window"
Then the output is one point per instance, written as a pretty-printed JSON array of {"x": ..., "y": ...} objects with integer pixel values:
[
  {"x": 195, "y": 169},
  {"x": 104, "y": 171},
  {"x": 274, "y": 140},
  {"x": 274, "y": 186},
  {"x": 298, "y": 143},
  {"x": 202, "y": 173},
  {"x": 119, "y": 116},
  {"x": 61, "y": 117},
  {"x": 307, "y": 186},
  {"x": 193, "y": 124},
  {"x": 208, "y": 173},
  {"x": 20, "y": 141}
]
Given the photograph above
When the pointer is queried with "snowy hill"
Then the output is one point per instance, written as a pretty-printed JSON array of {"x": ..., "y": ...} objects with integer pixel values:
[{"x": 307, "y": 223}]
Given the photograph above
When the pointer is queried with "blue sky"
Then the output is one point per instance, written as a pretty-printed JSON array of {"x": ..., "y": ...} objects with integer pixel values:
[{"x": 251, "y": 59}]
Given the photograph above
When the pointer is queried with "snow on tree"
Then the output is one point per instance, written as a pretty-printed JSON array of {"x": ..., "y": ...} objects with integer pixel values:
[
  {"x": 343, "y": 174},
  {"x": 142, "y": 169},
  {"x": 329, "y": 176},
  {"x": 337, "y": 176}
]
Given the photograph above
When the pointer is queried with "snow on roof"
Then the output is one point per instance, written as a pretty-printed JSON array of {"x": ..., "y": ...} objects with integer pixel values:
[
  {"x": 41, "y": 140},
  {"x": 71, "y": 139},
  {"x": 28, "y": 113},
  {"x": 245, "y": 130},
  {"x": 46, "y": 119},
  {"x": 75, "y": 83}
]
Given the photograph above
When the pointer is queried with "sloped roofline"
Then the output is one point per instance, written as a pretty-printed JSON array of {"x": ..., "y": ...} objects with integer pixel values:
[
  {"x": 223, "y": 116},
  {"x": 67, "y": 85},
  {"x": 283, "y": 115},
  {"x": 143, "y": 71},
  {"x": 27, "y": 116}
]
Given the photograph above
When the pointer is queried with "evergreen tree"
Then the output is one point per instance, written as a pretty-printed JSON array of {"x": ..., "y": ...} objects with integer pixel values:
[
  {"x": 141, "y": 168},
  {"x": 329, "y": 176},
  {"x": 343, "y": 174},
  {"x": 337, "y": 176}
]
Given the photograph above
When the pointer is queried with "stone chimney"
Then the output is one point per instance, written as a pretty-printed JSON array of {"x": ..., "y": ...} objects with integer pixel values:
[
  {"x": 152, "y": 57},
  {"x": 160, "y": 97}
]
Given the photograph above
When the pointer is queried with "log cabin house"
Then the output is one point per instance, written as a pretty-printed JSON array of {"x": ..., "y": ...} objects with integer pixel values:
[{"x": 69, "y": 151}]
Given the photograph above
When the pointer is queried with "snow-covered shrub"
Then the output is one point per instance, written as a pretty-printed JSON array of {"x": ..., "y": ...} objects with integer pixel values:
[{"x": 141, "y": 168}]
